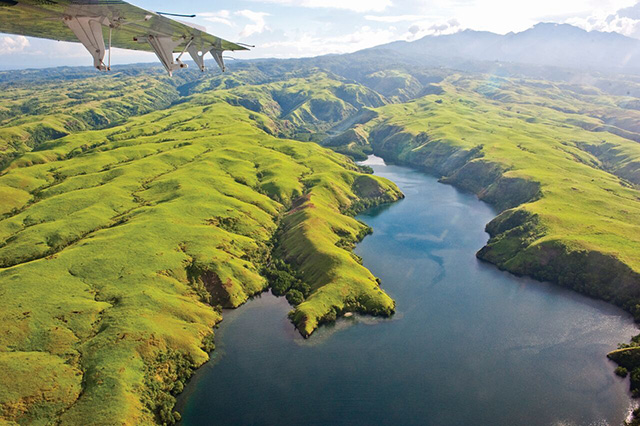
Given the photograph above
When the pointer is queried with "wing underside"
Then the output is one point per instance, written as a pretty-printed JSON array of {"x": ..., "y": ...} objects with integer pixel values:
[{"x": 101, "y": 24}]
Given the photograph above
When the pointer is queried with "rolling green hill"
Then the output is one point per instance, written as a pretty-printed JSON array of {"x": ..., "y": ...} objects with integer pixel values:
[
  {"x": 28, "y": 120},
  {"x": 119, "y": 246},
  {"x": 565, "y": 182},
  {"x": 134, "y": 207},
  {"x": 560, "y": 162}
]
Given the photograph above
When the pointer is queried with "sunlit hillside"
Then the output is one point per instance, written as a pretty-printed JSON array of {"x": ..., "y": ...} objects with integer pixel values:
[{"x": 135, "y": 207}]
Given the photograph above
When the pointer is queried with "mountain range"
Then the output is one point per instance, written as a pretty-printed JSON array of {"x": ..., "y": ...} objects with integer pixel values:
[{"x": 545, "y": 44}]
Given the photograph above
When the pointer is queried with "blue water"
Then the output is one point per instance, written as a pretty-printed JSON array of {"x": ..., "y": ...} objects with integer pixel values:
[{"x": 469, "y": 345}]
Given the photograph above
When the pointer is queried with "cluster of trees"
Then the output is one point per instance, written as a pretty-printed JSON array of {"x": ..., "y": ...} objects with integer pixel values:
[
  {"x": 286, "y": 281},
  {"x": 355, "y": 304},
  {"x": 165, "y": 378},
  {"x": 628, "y": 359}
]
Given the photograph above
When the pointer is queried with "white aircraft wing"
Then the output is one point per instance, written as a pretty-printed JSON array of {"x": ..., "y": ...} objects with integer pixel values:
[{"x": 102, "y": 24}]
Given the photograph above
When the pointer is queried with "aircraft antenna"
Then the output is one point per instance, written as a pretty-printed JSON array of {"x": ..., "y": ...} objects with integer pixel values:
[{"x": 176, "y": 14}]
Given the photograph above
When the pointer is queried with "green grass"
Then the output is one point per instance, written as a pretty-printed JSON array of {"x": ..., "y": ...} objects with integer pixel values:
[
  {"x": 310, "y": 100},
  {"x": 118, "y": 244},
  {"x": 467, "y": 136},
  {"x": 27, "y": 119},
  {"x": 120, "y": 241}
]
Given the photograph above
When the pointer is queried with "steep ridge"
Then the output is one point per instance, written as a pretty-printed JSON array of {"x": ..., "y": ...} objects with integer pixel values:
[
  {"x": 248, "y": 210},
  {"x": 119, "y": 246},
  {"x": 565, "y": 215},
  {"x": 564, "y": 183}
]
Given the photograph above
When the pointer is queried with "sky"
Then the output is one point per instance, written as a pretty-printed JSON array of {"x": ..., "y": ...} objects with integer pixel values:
[{"x": 301, "y": 28}]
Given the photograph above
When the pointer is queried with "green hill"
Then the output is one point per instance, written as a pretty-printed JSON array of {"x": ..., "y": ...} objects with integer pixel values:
[
  {"x": 119, "y": 246},
  {"x": 27, "y": 119},
  {"x": 568, "y": 196},
  {"x": 134, "y": 207},
  {"x": 560, "y": 162}
]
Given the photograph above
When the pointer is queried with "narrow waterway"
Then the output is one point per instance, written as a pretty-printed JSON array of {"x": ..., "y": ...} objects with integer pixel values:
[{"x": 469, "y": 345}]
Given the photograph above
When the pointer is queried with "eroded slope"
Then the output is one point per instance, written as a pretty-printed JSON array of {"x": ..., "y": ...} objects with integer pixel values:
[
  {"x": 568, "y": 215},
  {"x": 118, "y": 246}
]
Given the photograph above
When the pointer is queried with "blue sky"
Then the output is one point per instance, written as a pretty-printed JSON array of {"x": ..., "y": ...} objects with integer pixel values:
[{"x": 297, "y": 28}]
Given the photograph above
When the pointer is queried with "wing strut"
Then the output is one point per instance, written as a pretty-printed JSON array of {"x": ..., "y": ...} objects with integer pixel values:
[
  {"x": 89, "y": 32},
  {"x": 164, "y": 47},
  {"x": 197, "y": 56},
  {"x": 217, "y": 55}
]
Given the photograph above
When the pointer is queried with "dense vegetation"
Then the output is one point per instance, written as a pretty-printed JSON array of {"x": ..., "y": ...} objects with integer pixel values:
[
  {"x": 119, "y": 246},
  {"x": 134, "y": 207}
]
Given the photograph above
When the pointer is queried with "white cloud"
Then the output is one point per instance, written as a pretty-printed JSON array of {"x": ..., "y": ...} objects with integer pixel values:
[
  {"x": 625, "y": 21},
  {"x": 396, "y": 18},
  {"x": 220, "y": 17},
  {"x": 307, "y": 44},
  {"x": 258, "y": 23},
  {"x": 353, "y": 5},
  {"x": 502, "y": 16},
  {"x": 13, "y": 44},
  {"x": 320, "y": 28},
  {"x": 426, "y": 28}
]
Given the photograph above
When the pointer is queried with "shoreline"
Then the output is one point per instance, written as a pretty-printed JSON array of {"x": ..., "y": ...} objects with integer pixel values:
[{"x": 335, "y": 339}]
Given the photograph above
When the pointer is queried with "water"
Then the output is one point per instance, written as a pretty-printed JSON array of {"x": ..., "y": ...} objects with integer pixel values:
[{"x": 469, "y": 345}]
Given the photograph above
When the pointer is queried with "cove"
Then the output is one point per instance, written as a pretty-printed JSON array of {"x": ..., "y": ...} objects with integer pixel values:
[{"x": 468, "y": 345}]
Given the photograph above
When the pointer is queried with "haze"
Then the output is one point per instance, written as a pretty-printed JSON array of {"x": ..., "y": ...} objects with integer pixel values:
[{"x": 289, "y": 28}]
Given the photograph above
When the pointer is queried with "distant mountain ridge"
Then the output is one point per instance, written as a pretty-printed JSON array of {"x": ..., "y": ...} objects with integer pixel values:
[{"x": 545, "y": 44}]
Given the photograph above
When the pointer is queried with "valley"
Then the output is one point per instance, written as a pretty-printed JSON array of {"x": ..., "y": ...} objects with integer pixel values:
[
  {"x": 135, "y": 211},
  {"x": 120, "y": 247},
  {"x": 453, "y": 352}
]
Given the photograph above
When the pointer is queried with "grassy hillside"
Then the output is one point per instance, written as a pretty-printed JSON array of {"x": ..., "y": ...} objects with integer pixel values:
[
  {"x": 560, "y": 162},
  {"x": 27, "y": 119},
  {"x": 304, "y": 103},
  {"x": 124, "y": 231},
  {"x": 568, "y": 195},
  {"x": 119, "y": 246}
]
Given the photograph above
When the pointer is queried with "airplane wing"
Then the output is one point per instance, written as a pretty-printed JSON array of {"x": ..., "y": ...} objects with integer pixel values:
[{"x": 102, "y": 24}]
